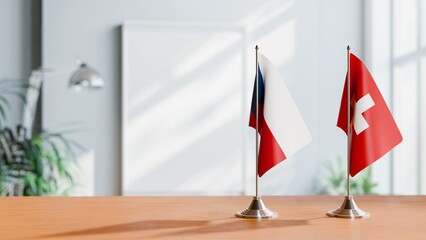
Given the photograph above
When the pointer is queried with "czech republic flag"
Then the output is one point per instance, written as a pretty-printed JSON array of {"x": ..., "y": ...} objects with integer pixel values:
[{"x": 281, "y": 127}]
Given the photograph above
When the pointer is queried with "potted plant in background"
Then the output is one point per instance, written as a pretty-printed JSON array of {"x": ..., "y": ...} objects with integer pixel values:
[
  {"x": 334, "y": 180},
  {"x": 42, "y": 164}
]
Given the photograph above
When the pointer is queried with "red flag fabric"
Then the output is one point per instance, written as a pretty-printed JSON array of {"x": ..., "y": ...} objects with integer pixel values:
[{"x": 373, "y": 131}]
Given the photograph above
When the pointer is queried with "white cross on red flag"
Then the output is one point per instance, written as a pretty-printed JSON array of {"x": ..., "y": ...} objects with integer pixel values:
[{"x": 373, "y": 131}]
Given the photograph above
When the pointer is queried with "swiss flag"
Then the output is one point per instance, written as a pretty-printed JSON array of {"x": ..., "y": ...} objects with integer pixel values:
[{"x": 373, "y": 131}]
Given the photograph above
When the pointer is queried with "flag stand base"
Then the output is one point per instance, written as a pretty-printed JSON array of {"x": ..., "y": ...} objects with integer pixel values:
[
  {"x": 348, "y": 209},
  {"x": 257, "y": 209}
]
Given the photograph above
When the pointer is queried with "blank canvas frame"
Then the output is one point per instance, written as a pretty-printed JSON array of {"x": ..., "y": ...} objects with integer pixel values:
[{"x": 184, "y": 108}]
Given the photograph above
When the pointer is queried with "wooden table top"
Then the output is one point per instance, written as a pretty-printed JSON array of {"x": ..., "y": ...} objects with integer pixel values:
[{"x": 300, "y": 217}]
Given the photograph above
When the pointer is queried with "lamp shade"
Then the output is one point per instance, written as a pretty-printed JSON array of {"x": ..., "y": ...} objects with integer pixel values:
[{"x": 86, "y": 77}]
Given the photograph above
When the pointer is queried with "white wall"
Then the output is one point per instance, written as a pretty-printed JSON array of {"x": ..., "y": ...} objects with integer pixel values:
[
  {"x": 305, "y": 39},
  {"x": 395, "y": 54},
  {"x": 378, "y": 58},
  {"x": 15, "y": 48},
  {"x": 340, "y": 23}
]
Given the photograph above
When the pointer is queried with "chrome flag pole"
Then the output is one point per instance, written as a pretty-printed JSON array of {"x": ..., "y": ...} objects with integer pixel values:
[
  {"x": 257, "y": 120},
  {"x": 348, "y": 209},
  {"x": 257, "y": 208}
]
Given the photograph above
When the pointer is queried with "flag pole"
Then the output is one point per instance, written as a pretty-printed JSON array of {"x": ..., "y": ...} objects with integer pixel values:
[
  {"x": 348, "y": 183},
  {"x": 257, "y": 208},
  {"x": 257, "y": 121},
  {"x": 348, "y": 209}
]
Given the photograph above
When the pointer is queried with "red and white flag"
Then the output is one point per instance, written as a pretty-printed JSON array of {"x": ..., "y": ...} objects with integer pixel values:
[
  {"x": 373, "y": 131},
  {"x": 281, "y": 126}
]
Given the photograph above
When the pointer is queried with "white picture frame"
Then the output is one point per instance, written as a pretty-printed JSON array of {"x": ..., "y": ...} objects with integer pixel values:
[{"x": 183, "y": 133}]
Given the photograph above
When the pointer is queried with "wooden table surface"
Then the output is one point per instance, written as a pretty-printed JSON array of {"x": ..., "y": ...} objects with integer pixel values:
[{"x": 300, "y": 217}]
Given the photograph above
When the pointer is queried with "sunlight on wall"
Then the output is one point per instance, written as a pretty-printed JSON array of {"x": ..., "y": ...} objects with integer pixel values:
[
  {"x": 405, "y": 112},
  {"x": 187, "y": 126},
  {"x": 405, "y": 27},
  {"x": 207, "y": 50},
  {"x": 266, "y": 13}
]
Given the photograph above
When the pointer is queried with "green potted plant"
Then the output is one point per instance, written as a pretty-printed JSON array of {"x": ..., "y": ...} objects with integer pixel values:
[
  {"x": 42, "y": 164},
  {"x": 334, "y": 180}
]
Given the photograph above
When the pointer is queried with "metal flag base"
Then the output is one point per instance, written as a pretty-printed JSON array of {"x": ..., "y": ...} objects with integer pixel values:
[
  {"x": 349, "y": 209},
  {"x": 257, "y": 209}
]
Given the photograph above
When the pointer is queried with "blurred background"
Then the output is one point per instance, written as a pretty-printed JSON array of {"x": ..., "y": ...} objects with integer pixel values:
[{"x": 172, "y": 117}]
